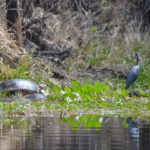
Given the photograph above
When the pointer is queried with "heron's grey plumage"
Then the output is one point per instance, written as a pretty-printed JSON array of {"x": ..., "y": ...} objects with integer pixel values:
[{"x": 133, "y": 73}]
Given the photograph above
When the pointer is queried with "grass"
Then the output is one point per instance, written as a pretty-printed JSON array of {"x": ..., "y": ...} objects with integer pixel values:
[
  {"x": 105, "y": 96},
  {"x": 81, "y": 98},
  {"x": 9, "y": 50}
]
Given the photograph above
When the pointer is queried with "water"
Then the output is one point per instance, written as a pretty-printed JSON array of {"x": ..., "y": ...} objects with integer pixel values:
[{"x": 77, "y": 132}]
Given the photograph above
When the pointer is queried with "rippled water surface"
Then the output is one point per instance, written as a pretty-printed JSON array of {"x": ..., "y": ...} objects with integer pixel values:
[{"x": 78, "y": 132}]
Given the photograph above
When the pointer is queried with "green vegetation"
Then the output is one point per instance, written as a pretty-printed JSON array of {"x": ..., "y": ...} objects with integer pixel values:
[
  {"x": 107, "y": 96},
  {"x": 81, "y": 98}
]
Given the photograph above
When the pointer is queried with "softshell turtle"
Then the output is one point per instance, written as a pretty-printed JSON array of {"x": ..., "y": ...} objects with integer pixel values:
[
  {"x": 19, "y": 85},
  {"x": 24, "y": 86}
]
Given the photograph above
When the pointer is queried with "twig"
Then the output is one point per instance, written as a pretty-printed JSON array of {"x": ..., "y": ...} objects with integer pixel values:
[{"x": 33, "y": 21}]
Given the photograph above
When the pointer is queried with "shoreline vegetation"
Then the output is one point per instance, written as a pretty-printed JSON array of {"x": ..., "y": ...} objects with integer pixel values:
[{"x": 90, "y": 78}]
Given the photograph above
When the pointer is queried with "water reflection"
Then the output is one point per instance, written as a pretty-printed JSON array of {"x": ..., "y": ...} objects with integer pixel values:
[
  {"x": 80, "y": 132},
  {"x": 134, "y": 131}
]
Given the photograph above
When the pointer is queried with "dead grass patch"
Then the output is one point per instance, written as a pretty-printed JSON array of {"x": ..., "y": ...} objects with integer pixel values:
[{"x": 9, "y": 51}]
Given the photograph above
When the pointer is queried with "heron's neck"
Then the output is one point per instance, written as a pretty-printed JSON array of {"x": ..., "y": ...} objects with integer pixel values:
[{"x": 137, "y": 61}]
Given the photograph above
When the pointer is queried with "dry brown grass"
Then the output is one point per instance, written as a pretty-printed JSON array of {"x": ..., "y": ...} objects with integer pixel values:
[
  {"x": 64, "y": 31},
  {"x": 68, "y": 26},
  {"x": 9, "y": 51}
]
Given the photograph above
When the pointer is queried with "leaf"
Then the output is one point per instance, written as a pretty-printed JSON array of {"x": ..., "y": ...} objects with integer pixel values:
[
  {"x": 98, "y": 85},
  {"x": 75, "y": 84},
  {"x": 106, "y": 88},
  {"x": 67, "y": 89},
  {"x": 57, "y": 88}
]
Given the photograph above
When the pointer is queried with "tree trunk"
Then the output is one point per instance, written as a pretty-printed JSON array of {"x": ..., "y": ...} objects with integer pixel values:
[{"x": 13, "y": 20}]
